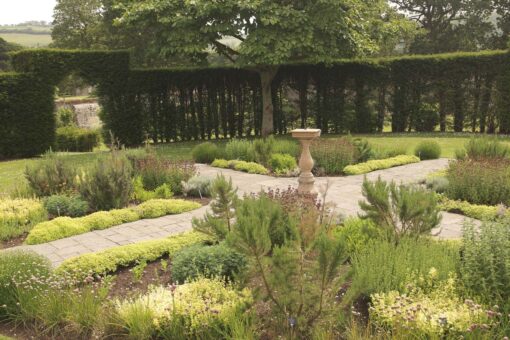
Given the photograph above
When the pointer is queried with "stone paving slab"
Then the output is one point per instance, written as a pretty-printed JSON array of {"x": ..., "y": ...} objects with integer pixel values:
[{"x": 343, "y": 192}]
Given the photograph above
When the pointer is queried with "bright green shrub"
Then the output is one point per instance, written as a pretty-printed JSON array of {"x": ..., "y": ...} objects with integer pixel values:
[
  {"x": 195, "y": 310},
  {"x": 240, "y": 149},
  {"x": 19, "y": 267},
  {"x": 197, "y": 186},
  {"x": 383, "y": 266},
  {"x": 62, "y": 227},
  {"x": 18, "y": 216},
  {"x": 485, "y": 263},
  {"x": 429, "y": 308},
  {"x": 263, "y": 149},
  {"x": 250, "y": 167},
  {"x": 218, "y": 261},
  {"x": 109, "y": 185},
  {"x": 363, "y": 168},
  {"x": 479, "y": 182},
  {"x": 142, "y": 195},
  {"x": 51, "y": 176},
  {"x": 74, "y": 139},
  {"x": 108, "y": 261},
  {"x": 428, "y": 149},
  {"x": 282, "y": 163},
  {"x": 66, "y": 116},
  {"x": 159, "y": 207},
  {"x": 476, "y": 211},
  {"x": 205, "y": 153},
  {"x": 331, "y": 156},
  {"x": 286, "y": 146},
  {"x": 486, "y": 148},
  {"x": 357, "y": 234},
  {"x": 63, "y": 205}
]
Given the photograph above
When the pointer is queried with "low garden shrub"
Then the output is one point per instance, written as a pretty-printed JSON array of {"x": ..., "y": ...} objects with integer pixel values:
[
  {"x": 71, "y": 138},
  {"x": 109, "y": 260},
  {"x": 479, "y": 182},
  {"x": 66, "y": 116},
  {"x": 63, "y": 205},
  {"x": 205, "y": 153},
  {"x": 389, "y": 151},
  {"x": 428, "y": 150},
  {"x": 218, "y": 261},
  {"x": 195, "y": 310},
  {"x": 476, "y": 211},
  {"x": 18, "y": 216},
  {"x": 430, "y": 308},
  {"x": 62, "y": 227},
  {"x": 142, "y": 195},
  {"x": 486, "y": 148},
  {"x": 263, "y": 149},
  {"x": 240, "y": 149},
  {"x": 109, "y": 184},
  {"x": 400, "y": 210},
  {"x": 485, "y": 263},
  {"x": 282, "y": 163},
  {"x": 437, "y": 184},
  {"x": 16, "y": 270},
  {"x": 357, "y": 234},
  {"x": 383, "y": 266},
  {"x": 51, "y": 175},
  {"x": 285, "y": 146},
  {"x": 156, "y": 171},
  {"x": 380, "y": 164},
  {"x": 331, "y": 156},
  {"x": 249, "y": 167},
  {"x": 197, "y": 186}
]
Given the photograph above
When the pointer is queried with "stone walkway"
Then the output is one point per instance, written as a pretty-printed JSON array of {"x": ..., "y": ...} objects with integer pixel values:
[{"x": 343, "y": 192}]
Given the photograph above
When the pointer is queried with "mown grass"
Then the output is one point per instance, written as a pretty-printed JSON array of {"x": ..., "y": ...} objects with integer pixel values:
[{"x": 11, "y": 172}]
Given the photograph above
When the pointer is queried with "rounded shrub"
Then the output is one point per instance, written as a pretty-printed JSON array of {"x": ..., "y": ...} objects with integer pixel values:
[
  {"x": 205, "y": 153},
  {"x": 282, "y": 163},
  {"x": 207, "y": 261},
  {"x": 62, "y": 205},
  {"x": 428, "y": 150},
  {"x": 71, "y": 138}
]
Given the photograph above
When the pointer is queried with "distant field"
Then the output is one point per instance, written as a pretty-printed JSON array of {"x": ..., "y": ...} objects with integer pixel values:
[{"x": 27, "y": 40}]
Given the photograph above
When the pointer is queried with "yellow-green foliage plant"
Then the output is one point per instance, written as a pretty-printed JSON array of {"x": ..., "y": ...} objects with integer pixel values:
[
  {"x": 109, "y": 260},
  {"x": 18, "y": 216},
  {"x": 62, "y": 227},
  {"x": 430, "y": 308},
  {"x": 380, "y": 164},
  {"x": 140, "y": 194},
  {"x": 194, "y": 310},
  {"x": 249, "y": 167},
  {"x": 477, "y": 211}
]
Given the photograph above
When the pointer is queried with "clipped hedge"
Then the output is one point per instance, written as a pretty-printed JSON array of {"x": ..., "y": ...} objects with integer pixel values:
[
  {"x": 476, "y": 211},
  {"x": 108, "y": 261},
  {"x": 62, "y": 227},
  {"x": 379, "y": 164},
  {"x": 19, "y": 216},
  {"x": 249, "y": 167},
  {"x": 71, "y": 138}
]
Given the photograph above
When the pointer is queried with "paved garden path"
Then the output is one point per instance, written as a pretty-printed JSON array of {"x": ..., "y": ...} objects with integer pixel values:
[{"x": 343, "y": 192}]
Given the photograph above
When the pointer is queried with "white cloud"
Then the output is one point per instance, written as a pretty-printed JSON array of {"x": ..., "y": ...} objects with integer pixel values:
[{"x": 17, "y": 11}]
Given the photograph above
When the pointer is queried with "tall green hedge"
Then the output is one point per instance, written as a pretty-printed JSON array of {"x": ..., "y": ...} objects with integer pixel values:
[{"x": 411, "y": 93}]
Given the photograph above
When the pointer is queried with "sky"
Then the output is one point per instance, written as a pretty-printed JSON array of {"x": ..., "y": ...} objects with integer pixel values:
[{"x": 17, "y": 11}]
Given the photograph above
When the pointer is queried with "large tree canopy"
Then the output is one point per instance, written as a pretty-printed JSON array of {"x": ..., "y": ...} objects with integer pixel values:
[{"x": 264, "y": 33}]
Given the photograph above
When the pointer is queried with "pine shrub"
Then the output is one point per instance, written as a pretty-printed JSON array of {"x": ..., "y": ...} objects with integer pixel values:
[{"x": 62, "y": 205}]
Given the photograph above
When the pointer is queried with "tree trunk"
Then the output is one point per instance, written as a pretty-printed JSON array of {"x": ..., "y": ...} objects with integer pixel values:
[{"x": 267, "y": 75}]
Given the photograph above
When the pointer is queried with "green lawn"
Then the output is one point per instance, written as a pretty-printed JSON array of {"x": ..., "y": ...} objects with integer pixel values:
[
  {"x": 11, "y": 172},
  {"x": 27, "y": 40}
]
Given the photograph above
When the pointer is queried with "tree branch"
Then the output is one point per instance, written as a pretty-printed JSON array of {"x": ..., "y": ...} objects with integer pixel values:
[{"x": 225, "y": 50}]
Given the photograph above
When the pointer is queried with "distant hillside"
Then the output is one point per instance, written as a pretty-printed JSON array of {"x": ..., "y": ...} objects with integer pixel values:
[{"x": 27, "y": 34}]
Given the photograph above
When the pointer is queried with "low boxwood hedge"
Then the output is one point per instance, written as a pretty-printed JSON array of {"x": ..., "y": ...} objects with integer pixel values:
[
  {"x": 108, "y": 261},
  {"x": 476, "y": 211},
  {"x": 62, "y": 227},
  {"x": 71, "y": 138},
  {"x": 249, "y": 167},
  {"x": 379, "y": 164}
]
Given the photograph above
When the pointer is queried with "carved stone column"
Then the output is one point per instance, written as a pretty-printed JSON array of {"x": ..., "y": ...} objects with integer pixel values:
[{"x": 305, "y": 137}]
